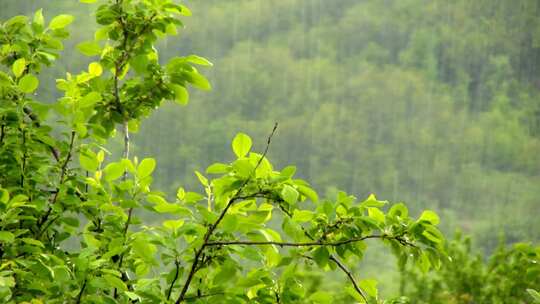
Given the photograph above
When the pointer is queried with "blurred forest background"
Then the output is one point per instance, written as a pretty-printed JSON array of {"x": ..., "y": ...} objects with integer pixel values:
[{"x": 431, "y": 102}]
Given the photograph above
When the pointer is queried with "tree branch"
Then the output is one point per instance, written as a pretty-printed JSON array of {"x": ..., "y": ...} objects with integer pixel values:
[
  {"x": 333, "y": 259},
  {"x": 304, "y": 244},
  {"x": 177, "y": 264},
  {"x": 213, "y": 227},
  {"x": 350, "y": 275},
  {"x": 63, "y": 171},
  {"x": 36, "y": 122},
  {"x": 79, "y": 296}
]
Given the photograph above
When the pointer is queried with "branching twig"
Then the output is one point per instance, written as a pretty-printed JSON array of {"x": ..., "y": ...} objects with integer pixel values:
[
  {"x": 333, "y": 259},
  {"x": 213, "y": 227}
]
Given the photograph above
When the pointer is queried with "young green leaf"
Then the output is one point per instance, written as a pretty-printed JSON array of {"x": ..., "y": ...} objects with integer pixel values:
[
  {"x": 369, "y": 286},
  {"x": 146, "y": 167},
  {"x": 302, "y": 216},
  {"x": 289, "y": 194},
  {"x": 181, "y": 94},
  {"x": 29, "y": 83},
  {"x": 429, "y": 216},
  {"x": 18, "y": 67},
  {"x": 60, "y": 22},
  {"x": 95, "y": 69},
  {"x": 89, "y": 48},
  {"x": 241, "y": 144},
  {"x": 89, "y": 99}
]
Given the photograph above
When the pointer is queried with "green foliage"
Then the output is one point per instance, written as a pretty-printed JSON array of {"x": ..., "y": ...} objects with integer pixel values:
[
  {"x": 509, "y": 275},
  {"x": 72, "y": 233}
]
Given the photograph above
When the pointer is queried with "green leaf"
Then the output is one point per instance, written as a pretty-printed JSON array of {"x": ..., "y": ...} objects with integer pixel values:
[
  {"x": 302, "y": 216},
  {"x": 29, "y": 83},
  {"x": 38, "y": 18},
  {"x": 89, "y": 99},
  {"x": 399, "y": 210},
  {"x": 308, "y": 192},
  {"x": 88, "y": 161},
  {"x": 433, "y": 234},
  {"x": 322, "y": 297},
  {"x": 202, "y": 178},
  {"x": 243, "y": 167},
  {"x": 4, "y": 196},
  {"x": 376, "y": 214},
  {"x": 534, "y": 294},
  {"x": 113, "y": 171},
  {"x": 369, "y": 286},
  {"x": 184, "y": 10},
  {"x": 60, "y": 22},
  {"x": 95, "y": 69},
  {"x": 18, "y": 67},
  {"x": 131, "y": 295},
  {"x": 181, "y": 94},
  {"x": 33, "y": 242},
  {"x": 429, "y": 216},
  {"x": 241, "y": 144},
  {"x": 173, "y": 224},
  {"x": 115, "y": 282},
  {"x": 353, "y": 293},
  {"x": 146, "y": 167},
  {"x": 172, "y": 209},
  {"x": 88, "y": 1},
  {"x": 193, "y": 197},
  {"x": 218, "y": 168},
  {"x": 321, "y": 256},
  {"x": 288, "y": 171},
  {"x": 89, "y": 48},
  {"x": 372, "y": 201},
  {"x": 199, "y": 81},
  {"x": 289, "y": 194},
  {"x": 198, "y": 60},
  {"x": 7, "y": 237},
  {"x": 227, "y": 272}
]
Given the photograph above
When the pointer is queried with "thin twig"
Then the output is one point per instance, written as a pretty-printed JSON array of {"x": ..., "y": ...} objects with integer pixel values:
[
  {"x": 79, "y": 296},
  {"x": 177, "y": 264},
  {"x": 213, "y": 227},
  {"x": 333, "y": 259},
  {"x": 304, "y": 244},
  {"x": 37, "y": 123},
  {"x": 63, "y": 171}
]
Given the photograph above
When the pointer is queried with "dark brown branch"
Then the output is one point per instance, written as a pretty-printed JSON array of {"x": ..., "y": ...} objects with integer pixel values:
[
  {"x": 79, "y": 296},
  {"x": 213, "y": 227},
  {"x": 304, "y": 244},
  {"x": 177, "y": 264},
  {"x": 333, "y": 259},
  {"x": 36, "y": 122},
  {"x": 63, "y": 171},
  {"x": 350, "y": 275}
]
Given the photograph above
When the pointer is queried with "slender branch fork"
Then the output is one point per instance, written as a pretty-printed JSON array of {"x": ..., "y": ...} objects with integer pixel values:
[
  {"x": 213, "y": 227},
  {"x": 207, "y": 243}
]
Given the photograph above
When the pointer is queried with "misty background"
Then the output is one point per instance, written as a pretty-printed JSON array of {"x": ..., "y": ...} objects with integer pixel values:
[{"x": 433, "y": 103}]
